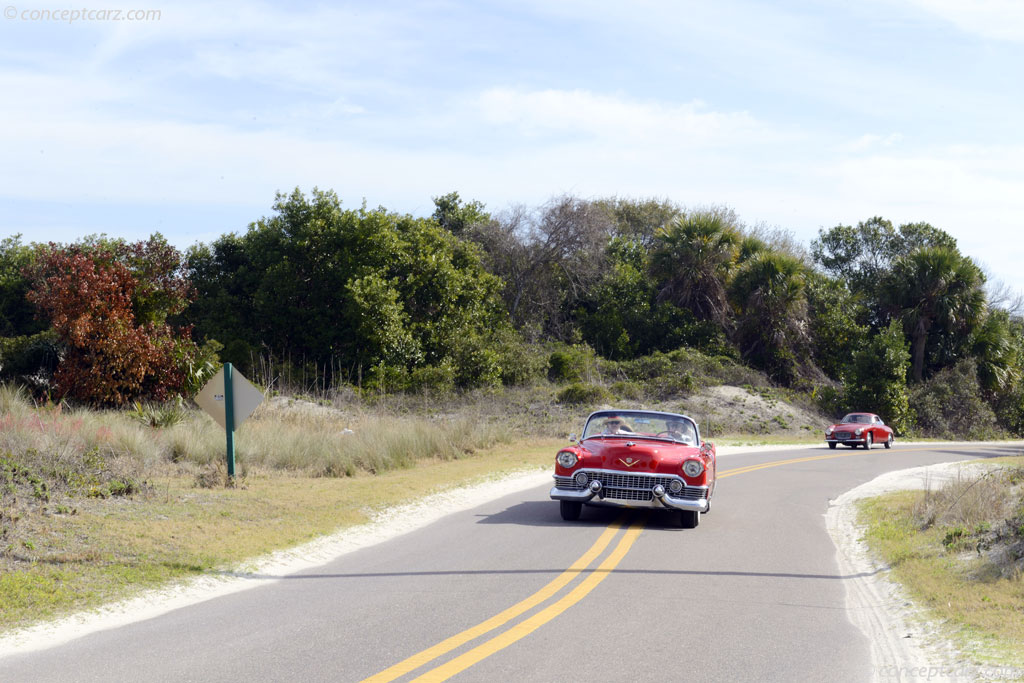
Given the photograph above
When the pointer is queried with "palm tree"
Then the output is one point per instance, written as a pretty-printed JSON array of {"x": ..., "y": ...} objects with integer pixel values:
[
  {"x": 933, "y": 290},
  {"x": 691, "y": 262},
  {"x": 770, "y": 296}
]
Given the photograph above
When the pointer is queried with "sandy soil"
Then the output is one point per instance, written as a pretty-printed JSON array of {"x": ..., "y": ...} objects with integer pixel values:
[{"x": 904, "y": 645}]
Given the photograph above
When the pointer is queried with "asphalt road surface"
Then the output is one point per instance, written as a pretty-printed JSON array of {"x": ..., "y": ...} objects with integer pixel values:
[{"x": 509, "y": 592}]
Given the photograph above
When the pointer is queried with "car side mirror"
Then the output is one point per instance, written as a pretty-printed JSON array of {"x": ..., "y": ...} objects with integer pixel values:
[{"x": 572, "y": 437}]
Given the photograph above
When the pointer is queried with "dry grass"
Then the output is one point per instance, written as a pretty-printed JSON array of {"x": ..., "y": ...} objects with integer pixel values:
[
  {"x": 102, "y": 550},
  {"x": 959, "y": 550}
]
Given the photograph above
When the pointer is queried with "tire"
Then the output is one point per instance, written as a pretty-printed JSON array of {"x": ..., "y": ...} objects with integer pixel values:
[
  {"x": 888, "y": 442},
  {"x": 689, "y": 519},
  {"x": 570, "y": 510},
  {"x": 867, "y": 441},
  {"x": 832, "y": 445}
]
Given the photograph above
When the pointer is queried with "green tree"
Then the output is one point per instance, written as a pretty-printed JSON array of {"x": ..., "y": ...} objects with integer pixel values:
[
  {"x": 836, "y": 318},
  {"x": 863, "y": 255},
  {"x": 691, "y": 262},
  {"x": 876, "y": 380},
  {"x": 937, "y": 294},
  {"x": 638, "y": 220},
  {"x": 457, "y": 216},
  {"x": 345, "y": 290},
  {"x": 17, "y": 316},
  {"x": 769, "y": 295}
]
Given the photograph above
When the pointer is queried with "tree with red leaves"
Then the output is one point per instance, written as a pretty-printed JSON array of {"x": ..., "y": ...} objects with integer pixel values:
[{"x": 109, "y": 302}]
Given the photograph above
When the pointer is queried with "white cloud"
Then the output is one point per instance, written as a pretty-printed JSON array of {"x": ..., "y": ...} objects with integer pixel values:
[
  {"x": 616, "y": 121},
  {"x": 996, "y": 19}
]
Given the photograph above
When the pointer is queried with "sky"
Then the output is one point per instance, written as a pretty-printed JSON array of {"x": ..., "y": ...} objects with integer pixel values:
[{"x": 187, "y": 118}]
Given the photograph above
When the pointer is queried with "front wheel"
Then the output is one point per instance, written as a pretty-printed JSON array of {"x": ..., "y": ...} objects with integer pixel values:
[
  {"x": 867, "y": 441},
  {"x": 689, "y": 519},
  {"x": 570, "y": 510},
  {"x": 832, "y": 445},
  {"x": 888, "y": 442}
]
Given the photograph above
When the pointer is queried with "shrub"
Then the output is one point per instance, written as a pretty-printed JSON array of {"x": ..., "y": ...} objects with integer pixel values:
[
  {"x": 109, "y": 304},
  {"x": 672, "y": 386},
  {"x": 570, "y": 364},
  {"x": 439, "y": 379},
  {"x": 631, "y": 391},
  {"x": 949, "y": 405},
  {"x": 582, "y": 394},
  {"x": 31, "y": 359}
]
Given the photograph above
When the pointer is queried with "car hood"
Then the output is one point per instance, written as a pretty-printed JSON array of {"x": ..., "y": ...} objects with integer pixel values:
[{"x": 637, "y": 455}]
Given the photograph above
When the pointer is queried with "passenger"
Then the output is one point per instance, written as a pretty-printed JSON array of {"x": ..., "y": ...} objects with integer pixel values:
[{"x": 616, "y": 425}]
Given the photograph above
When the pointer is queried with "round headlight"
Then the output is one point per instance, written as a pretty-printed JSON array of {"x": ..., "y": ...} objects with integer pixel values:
[
  {"x": 693, "y": 468},
  {"x": 828, "y": 431},
  {"x": 675, "y": 486},
  {"x": 581, "y": 479},
  {"x": 566, "y": 459},
  {"x": 858, "y": 432}
]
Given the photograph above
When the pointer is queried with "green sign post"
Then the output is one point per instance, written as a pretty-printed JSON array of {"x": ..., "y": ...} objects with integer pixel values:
[
  {"x": 229, "y": 417},
  {"x": 230, "y": 399}
]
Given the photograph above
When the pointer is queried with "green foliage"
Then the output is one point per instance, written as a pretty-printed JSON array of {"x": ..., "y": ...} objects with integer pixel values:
[
  {"x": 348, "y": 290},
  {"x": 477, "y": 364},
  {"x": 691, "y": 261},
  {"x": 570, "y": 363},
  {"x": 876, "y": 381},
  {"x": 578, "y": 393},
  {"x": 158, "y": 415},
  {"x": 937, "y": 295},
  {"x": 772, "y": 332},
  {"x": 949, "y": 405},
  {"x": 456, "y": 216},
  {"x": 30, "y": 359},
  {"x": 17, "y": 316},
  {"x": 836, "y": 333},
  {"x": 434, "y": 379},
  {"x": 863, "y": 255}
]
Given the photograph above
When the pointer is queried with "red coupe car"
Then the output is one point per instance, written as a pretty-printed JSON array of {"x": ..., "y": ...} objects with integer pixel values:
[
  {"x": 859, "y": 429},
  {"x": 637, "y": 459}
]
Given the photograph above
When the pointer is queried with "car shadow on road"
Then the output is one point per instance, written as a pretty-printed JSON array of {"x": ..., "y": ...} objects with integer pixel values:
[{"x": 546, "y": 513}]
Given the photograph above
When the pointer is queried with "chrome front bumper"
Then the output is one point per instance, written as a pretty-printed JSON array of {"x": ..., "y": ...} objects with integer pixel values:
[
  {"x": 615, "y": 489},
  {"x": 856, "y": 441}
]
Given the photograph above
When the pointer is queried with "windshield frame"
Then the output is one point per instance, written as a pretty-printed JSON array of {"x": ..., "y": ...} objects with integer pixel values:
[{"x": 591, "y": 429}]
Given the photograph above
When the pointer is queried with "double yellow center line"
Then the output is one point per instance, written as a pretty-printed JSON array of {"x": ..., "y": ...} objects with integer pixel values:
[{"x": 528, "y": 626}]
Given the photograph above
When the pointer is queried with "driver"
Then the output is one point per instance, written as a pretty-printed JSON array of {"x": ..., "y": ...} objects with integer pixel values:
[
  {"x": 678, "y": 430},
  {"x": 615, "y": 425}
]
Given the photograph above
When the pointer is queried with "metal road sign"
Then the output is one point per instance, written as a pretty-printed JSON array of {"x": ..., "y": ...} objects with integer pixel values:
[
  {"x": 229, "y": 399},
  {"x": 245, "y": 394}
]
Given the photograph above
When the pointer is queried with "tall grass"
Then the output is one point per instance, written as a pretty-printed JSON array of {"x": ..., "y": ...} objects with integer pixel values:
[{"x": 311, "y": 439}]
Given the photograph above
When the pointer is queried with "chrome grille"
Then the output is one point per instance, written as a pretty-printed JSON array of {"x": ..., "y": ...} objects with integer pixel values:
[
  {"x": 843, "y": 435},
  {"x": 621, "y": 486}
]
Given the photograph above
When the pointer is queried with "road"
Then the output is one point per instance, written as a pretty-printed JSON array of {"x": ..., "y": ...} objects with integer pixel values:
[{"x": 509, "y": 592}]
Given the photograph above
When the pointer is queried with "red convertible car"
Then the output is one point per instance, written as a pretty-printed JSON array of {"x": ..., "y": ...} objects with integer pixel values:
[
  {"x": 637, "y": 459},
  {"x": 859, "y": 429}
]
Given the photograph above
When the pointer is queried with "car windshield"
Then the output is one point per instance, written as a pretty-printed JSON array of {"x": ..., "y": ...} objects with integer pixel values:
[
  {"x": 857, "y": 419},
  {"x": 644, "y": 425}
]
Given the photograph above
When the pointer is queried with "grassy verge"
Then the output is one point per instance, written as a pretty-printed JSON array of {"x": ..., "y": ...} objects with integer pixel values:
[
  {"x": 959, "y": 551},
  {"x": 97, "y": 550}
]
